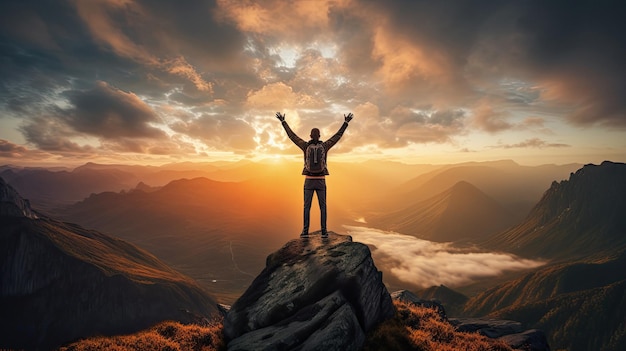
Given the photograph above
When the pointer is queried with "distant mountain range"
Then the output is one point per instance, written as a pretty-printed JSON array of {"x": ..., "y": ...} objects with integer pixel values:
[
  {"x": 61, "y": 282},
  {"x": 219, "y": 233},
  {"x": 460, "y": 213},
  {"x": 517, "y": 188}
]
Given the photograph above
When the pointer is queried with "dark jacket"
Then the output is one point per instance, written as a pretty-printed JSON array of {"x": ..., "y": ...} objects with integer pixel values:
[{"x": 303, "y": 144}]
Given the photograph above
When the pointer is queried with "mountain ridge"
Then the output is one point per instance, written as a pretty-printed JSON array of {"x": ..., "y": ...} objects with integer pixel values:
[
  {"x": 61, "y": 282},
  {"x": 574, "y": 218}
]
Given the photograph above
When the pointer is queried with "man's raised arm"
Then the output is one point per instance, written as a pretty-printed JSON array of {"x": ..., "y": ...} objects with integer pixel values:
[
  {"x": 335, "y": 138},
  {"x": 296, "y": 139}
]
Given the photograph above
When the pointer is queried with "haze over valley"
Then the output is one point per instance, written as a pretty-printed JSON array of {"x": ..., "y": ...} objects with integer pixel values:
[{"x": 219, "y": 224}]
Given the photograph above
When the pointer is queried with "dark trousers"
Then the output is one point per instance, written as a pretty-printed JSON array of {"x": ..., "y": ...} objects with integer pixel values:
[{"x": 318, "y": 186}]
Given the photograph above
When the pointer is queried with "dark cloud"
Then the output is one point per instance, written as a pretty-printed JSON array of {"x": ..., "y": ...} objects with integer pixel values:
[
  {"x": 10, "y": 150},
  {"x": 573, "y": 50},
  {"x": 110, "y": 113},
  {"x": 51, "y": 134},
  {"x": 14, "y": 152}
]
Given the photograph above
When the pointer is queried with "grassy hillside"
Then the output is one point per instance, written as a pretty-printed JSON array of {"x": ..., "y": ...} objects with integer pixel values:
[{"x": 167, "y": 336}]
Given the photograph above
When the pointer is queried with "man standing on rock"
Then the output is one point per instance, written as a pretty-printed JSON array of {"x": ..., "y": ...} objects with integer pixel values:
[{"x": 315, "y": 171}]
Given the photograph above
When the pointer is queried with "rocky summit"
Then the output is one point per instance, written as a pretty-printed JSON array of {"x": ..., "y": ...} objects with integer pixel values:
[{"x": 313, "y": 294}]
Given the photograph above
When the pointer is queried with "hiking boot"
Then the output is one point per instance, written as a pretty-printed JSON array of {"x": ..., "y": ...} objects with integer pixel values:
[
  {"x": 304, "y": 235},
  {"x": 324, "y": 234}
]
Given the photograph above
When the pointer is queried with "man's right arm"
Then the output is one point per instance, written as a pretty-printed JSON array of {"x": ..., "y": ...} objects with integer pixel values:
[{"x": 296, "y": 139}]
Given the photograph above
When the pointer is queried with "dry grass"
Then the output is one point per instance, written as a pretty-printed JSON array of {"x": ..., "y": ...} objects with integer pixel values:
[
  {"x": 413, "y": 328},
  {"x": 416, "y": 328},
  {"x": 167, "y": 336}
]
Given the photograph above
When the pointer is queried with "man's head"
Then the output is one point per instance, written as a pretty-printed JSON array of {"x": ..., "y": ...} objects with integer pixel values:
[{"x": 315, "y": 134}]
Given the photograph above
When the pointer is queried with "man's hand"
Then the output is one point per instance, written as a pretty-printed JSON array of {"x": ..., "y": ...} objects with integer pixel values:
[
  {"x": 348, "y": 118},
  {"x": 280, "y": 116}
]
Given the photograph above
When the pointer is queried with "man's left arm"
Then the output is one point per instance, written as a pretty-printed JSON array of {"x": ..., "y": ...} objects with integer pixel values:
[{"x": 335, "y": 138}]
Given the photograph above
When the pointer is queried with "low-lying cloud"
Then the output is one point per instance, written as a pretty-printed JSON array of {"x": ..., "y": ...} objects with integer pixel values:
[{"x": 425, "y": 263}]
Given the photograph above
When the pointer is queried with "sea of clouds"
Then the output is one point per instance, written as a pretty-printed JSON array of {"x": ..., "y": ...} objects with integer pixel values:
[{"x": 424, "y": 263}]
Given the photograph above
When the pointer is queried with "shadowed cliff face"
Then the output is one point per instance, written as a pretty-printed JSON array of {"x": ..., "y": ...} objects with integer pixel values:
[
  {"x": 12, "y": 204},
  {"x": 61, "y": 282},
  {"x": 578, "y": 217},
  {"x": 321, "y": 294}
]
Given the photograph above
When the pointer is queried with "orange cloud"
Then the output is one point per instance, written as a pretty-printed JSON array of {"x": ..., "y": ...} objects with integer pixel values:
[
  {"x": 290, "y": 18},
  {"x": 279, "y": 96},
  {"x": 485, "y": 117},
  {"x": 404, "y": 60}
]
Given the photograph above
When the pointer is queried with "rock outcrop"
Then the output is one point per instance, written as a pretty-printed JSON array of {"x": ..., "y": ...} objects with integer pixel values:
[
  {"x": 314, "y": 294},
  {"x": 12, "y": 204}
]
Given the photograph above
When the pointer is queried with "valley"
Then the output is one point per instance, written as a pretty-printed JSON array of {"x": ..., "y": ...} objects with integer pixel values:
[{"x": 489, "y": 239}]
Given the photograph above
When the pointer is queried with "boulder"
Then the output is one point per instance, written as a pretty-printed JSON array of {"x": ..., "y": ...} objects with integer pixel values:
[
  {"x": 530, "y": 340},
  {"x": 492, "y": 328},
  {"x": 511, "y": 332},
  {"x": 314, "y": 294}
]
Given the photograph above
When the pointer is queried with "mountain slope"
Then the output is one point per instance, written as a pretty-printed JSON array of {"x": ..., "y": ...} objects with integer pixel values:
[
  {"x": 580, "y": 305},
  {"x": 61, "y": 282},
  {"x": 580, "y": 299},
  {"x": 219, "y": 233},
  {"x": 577, "y": 217},
  {"x": 460, "y": 213}
]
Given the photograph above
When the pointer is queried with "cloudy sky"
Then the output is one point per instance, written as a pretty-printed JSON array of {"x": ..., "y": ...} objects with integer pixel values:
[{"x": 428, "y": 81}]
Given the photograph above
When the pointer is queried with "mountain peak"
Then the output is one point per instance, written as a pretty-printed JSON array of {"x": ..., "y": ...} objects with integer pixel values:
[
  {"x": 313, "y": 294},
  {"x": 12, "y": 204}
]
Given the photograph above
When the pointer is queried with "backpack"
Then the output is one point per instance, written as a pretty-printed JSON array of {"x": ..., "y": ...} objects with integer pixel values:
[{"x": 315, "y": 158}]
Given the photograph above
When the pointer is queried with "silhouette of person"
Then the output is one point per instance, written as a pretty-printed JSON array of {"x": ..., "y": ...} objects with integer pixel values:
[{"x": 314, "y": 172}]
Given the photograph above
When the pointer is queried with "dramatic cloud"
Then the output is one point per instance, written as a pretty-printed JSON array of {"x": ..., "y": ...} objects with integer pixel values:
[
  {"x": 110, "y": 113},
  {"x": 424, "y": 263},
  {"x": 10, "y": 150},
  {"x": 124, "y": 75}
]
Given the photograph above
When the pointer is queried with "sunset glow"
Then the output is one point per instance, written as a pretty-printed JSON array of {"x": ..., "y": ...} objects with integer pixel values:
[{"x": 428, "y": 82}]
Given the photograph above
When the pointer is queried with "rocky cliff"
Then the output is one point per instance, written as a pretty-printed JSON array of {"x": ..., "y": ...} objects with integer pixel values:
[
  {"x": 12, "y": 204},
  {"x": 61, "y": 282},
  {"x": 315, "y": 294},
  {"x": 575, "y": 218}
]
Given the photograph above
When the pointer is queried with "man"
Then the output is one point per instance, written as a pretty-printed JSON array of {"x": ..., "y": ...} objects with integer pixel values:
[{"x": 315, "y": 170}]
